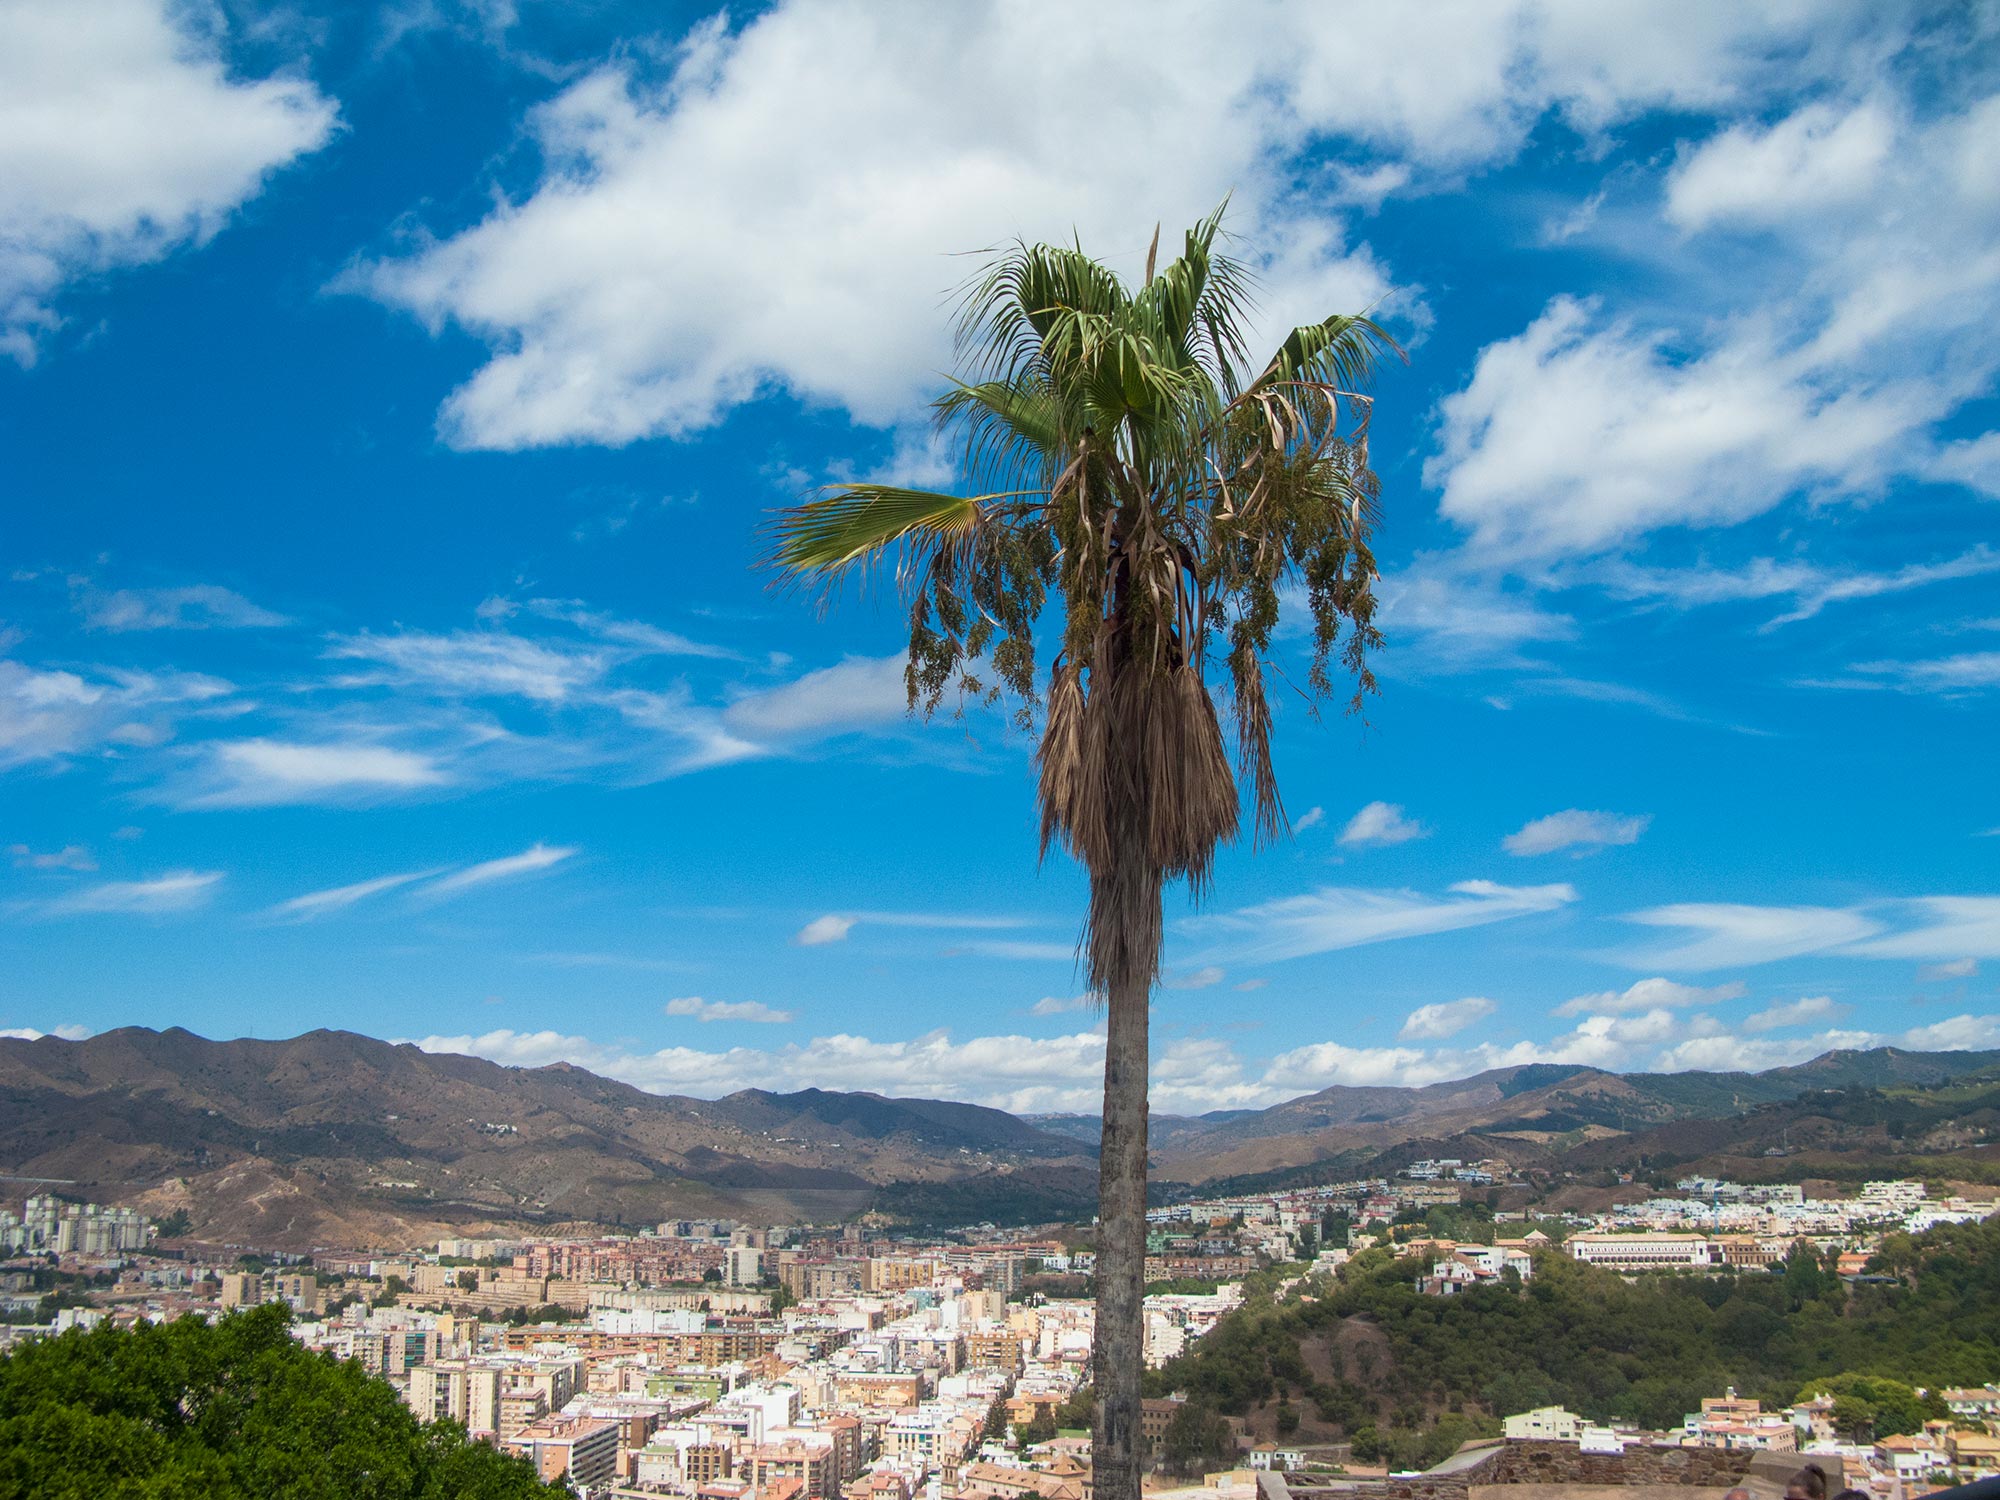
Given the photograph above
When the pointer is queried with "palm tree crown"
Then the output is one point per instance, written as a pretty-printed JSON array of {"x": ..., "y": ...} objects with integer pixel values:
[{"x": 1131, "y": 458}]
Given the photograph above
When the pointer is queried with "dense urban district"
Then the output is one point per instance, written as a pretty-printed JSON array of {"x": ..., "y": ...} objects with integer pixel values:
[{"x": 1389, "y": 1331}]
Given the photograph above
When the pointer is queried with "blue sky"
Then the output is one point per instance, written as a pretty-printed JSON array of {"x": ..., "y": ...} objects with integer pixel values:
[{"x": 389, "y": 400}]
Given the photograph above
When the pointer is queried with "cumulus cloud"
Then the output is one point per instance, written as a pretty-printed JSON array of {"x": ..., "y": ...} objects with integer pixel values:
[
  {"x": 1379, "y": 825},
  {"x": 1575, "y": 829},
  {"x": 1851, "y": 329},
  {"x": 123, "y": 137},
  {"x": 1335, "y": 917},
  {"x": 70, "y": 1033},
  {"x": 696, "y": 1008},
  {"x": 608, "y": 321},
  {"x": 1433, "y": 1023},
  {"x": 1311, "y": 818},
  {"x": 1648, "y": 994}
]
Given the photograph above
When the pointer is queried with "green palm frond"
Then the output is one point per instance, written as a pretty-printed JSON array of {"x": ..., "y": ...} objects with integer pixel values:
[
  {"x": 1341, "y": 352},
  {"x": 857, "y": 523}
]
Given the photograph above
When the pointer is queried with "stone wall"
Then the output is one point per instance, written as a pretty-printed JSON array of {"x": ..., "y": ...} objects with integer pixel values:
[{"x": 1517, "y": 1471}]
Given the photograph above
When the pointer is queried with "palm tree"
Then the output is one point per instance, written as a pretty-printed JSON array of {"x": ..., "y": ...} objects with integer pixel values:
[{"x": 1128, "y": 456}]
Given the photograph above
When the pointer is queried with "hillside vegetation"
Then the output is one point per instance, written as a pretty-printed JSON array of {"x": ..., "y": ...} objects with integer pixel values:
[{"x": 1412, "y": 1376}]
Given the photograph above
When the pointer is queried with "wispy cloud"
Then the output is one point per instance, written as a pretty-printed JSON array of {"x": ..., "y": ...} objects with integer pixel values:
[
  {"x": 1194, "y": 979},
  {"x": 530, "y": 861},
  {"x": 1336, "y": 917},
  {"x": 696, "y": 1008},
  {"x": 1062, "y": 1005},
  {"x": 69, "y": 857},
  {"x": 1311, "y": 818},
  {"x": 1811, "y": 1010},
  {"x": 338, "y": 898},
  {"x": 1575, "y": 829},
  {"x": 197, "y": 607},
  {"x": 1938, "y": 929},
  {"x": 176, "y": 891},
  {"x": 269, "y": 773},
  {"x": 835, "y": 927}
]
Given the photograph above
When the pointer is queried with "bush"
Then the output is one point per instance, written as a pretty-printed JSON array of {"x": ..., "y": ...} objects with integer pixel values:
[{"x": 232, "y": 1410}]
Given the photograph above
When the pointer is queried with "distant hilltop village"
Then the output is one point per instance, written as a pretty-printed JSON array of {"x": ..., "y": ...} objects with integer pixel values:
[{"x": 710, "y": 1360}]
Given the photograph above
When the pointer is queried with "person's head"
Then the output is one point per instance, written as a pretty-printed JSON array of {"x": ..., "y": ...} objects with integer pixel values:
[
  {"x": 1809, "y": 1483},
  {"x": 1854, "y": 1495},
  {"x": 1739, "y": 1493}
]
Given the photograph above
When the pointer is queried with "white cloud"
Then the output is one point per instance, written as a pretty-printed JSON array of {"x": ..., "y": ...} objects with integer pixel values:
[
  {"x": 472, "y": 662},
  {"x": 726, "y": 1010},
  {"x": 1831, "y": 330},
  {"x": 52, "y": 715},
  {"x": 530, "y": 861},
  {"x": 612, "y": 319},
  {"x": 834, "y": 927},
  {"x": 1433, "y": 1023},
  {"x": 1580, "y": 433},
  {"x": 1947, "y": 928},
  {"x": 1025, "y": 1074},
  {"x": 1062, "y": 1005},
  {"x": 1737, "y": 1054},
  {"x": 71, "y": 1033},
  {"x": 1729, "y": 935},
  {"x": 1194, "y": 979},
  {"x": 1807, "y": 1011},
  {"x": 123, "y": 137},
  {"x": 1958, "y": 1034},
  {"x": 1573, "y": 828},
  {"x": 1973, "y": 462},
  {"x": 1379, "y": 825},
  {"x": 267, "y": 772},
  {"x": 1311, "y": 818},
  {"x": 197, "y": 607},
  {"x": 69, "y": 857},
  {"x": 1453, "y": 620},
  {"x": 859, "y": 692},
  {"x": 1969, "y": 671},
  {"x": 176, "y": 891},
  {"x": 823, "y": 930},
  {"x": 1648, "y": 994},
  {"x": 1810, "y": 588},
  {"x": 339, "y": 898},
  {"x": 1957, "y": 968},
  {"x": 1335, "y": 917},
  {"x": 1818, "y": 159}
]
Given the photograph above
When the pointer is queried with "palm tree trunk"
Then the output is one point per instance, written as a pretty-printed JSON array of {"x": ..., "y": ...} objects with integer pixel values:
[{"x": 1118, "y": 1351}]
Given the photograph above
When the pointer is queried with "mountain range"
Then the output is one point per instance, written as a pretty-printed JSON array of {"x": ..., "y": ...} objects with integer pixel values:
[{"x": 336, "y": 1138}]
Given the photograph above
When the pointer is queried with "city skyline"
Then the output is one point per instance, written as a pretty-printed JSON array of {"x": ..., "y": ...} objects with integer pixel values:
[{"x": 380, "y": 645}]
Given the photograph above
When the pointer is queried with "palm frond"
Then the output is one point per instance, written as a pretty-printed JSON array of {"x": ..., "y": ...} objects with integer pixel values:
[
  {"x": 1342, "y": 352},
  {"x": 857, "y": 523}
]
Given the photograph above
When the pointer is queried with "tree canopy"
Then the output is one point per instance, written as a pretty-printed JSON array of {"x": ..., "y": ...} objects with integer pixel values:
[{"x": 230, "y": 1410}]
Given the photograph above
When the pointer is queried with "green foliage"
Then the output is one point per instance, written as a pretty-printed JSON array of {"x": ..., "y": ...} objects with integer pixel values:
[
  {"x": 173, "y": 1225},
  {"x": 1197, "y": 1439},
  {"x": 234, "y": 1410},
  {"x": 1646, "y": 1350},
  {"x": 1041, "y": 1426},
  {"x": 1867, "y": 1407}
]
